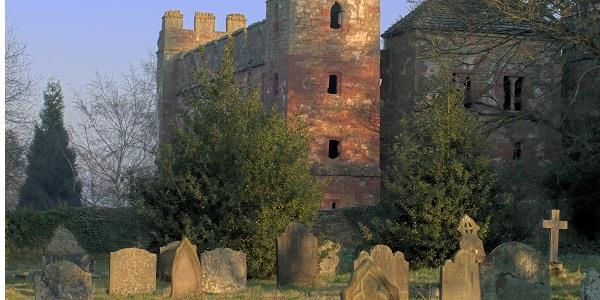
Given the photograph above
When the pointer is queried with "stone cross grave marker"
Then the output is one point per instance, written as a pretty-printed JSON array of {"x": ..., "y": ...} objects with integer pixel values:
[
  {"x": 459, "y": 277},
  {"x": 554, "y": 224},
  {"x": 131, "y": 271},
  {"x": 470, "y": 241},
  {"x": 297, "y": 256}
]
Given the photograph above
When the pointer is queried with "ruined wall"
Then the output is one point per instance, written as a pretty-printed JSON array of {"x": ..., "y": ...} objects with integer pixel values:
[
  {"x": 410, "y": 63},
  {"x": 291, "y": 57}
]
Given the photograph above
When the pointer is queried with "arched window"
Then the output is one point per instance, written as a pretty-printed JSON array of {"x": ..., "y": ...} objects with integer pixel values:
[{"x": 336, "y": 16}]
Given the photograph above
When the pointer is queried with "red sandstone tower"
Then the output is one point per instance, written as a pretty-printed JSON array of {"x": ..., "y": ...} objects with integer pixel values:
[{"x": 315, "y": 58}]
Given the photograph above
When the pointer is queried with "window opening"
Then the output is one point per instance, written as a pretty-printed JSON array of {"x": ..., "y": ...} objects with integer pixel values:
[
  {"x": 333, "y": 205},
  {"x": 468, "y": 100},
  {"x": 333, "y": 85},
  {"x": 276, "y": 84},
  {"x": 517, "y": 151},
  {"x": 513, "y": 93},
  {"x": 336, "y": 16},
  {"x": 334, "y": 149}
]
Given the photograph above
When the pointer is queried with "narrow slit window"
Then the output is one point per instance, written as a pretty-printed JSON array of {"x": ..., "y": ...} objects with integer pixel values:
[
  {"x": 518, "y": 93},
  {"x": 517, "y": 151},
  {"x": 468, "y": 97},
  {"x": 276, "y": 84},
  {"x": 334, "y": 149},
  {"x": 333, "y": 205},
  {"x": 507, "y": 93},
  {"x": 333, "y": 85},
  {"x": 336, "y": 16}
]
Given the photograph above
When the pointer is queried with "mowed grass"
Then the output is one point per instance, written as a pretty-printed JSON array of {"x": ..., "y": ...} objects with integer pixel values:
[{"x": 423, "y": 283}]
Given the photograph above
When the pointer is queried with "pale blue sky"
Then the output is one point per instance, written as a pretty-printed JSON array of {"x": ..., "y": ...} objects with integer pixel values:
[{"x": 71, "y": 38}]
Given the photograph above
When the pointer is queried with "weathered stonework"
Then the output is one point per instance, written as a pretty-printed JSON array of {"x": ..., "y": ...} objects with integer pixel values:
[
  {"x": 223, "y": 271},
  {"x": 63, "y": 280},
  {"x": 64, "y": 246},
  {"x": 514, "y": 271},
  {"x": 290, "y": 57},
  {"x": 131, "y": 271},
  {"x": 370, "y": 282},
  {"x": 395, "y": 268},
  {"x": 297, "y": 257},
  {"x": 186, "y": 271}
]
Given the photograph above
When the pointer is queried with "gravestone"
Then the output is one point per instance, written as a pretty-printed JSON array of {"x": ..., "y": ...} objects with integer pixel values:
[
  {"x": 393, "y": 265},
  {"x": 64, "y": 246},
  {"x": 459, "y": 277},
  {"x": 590, "y": 286},
  {"x": 223, "y": 271},
  {"x": 165, "y": 260},
  {"x": 63, "y": 280},
  {"x": 330, "y": 258},
  {"x": 369, "y": 282},
  {"x": 297, "y": 256},
  {"x": 469, "y": 237},
  {"x": 514, "y": 271},
  {"x": 132, "y": 271},
  {"x": 555, "y": 225},
  {"x": 186, "y": 272}
]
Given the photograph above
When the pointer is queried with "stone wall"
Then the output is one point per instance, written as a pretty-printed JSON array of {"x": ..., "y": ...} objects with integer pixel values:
[{"x": 292, "y": 57}]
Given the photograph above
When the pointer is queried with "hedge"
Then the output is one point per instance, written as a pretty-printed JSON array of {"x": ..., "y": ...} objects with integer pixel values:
[{"x": 98, "y": 230}]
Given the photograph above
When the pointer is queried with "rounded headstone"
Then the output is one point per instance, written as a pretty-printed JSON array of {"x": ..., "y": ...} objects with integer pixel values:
[
  {"x": 223, "y": 271},
  {"x": 132, "y": 271},
  {"x": 514, "y": 271}
]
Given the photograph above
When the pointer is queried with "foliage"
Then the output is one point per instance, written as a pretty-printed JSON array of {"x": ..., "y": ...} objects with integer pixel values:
[
  {"x": 98, "y": 230},
  {"x": 232, "y": 176},
  {"x": 578, "y": 180},
  {"x": 117, "y": 134},
  {"x": 51, "y": 171},
  {"x": 439, "y": 171}
]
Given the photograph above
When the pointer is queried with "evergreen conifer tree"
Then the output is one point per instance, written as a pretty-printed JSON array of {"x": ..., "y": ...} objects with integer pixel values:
[
  {"x": 439, "y": 171},
  {"x": 51, "y": 173}
]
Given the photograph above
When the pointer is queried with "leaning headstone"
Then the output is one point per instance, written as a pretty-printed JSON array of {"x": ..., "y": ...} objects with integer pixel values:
[
  {"x": 132, "y": 271},
  {"x": 165, "y": 260},
  {"x": 64, "y": 246},
  {"x": 590, "y": 286},
  {"x": 63, "y": 280},
  {"x": 469, "y": 237},
  {"x": 370, "y": 282},
  {"x": 330, "y": 258},
  {"x": 393, "y": 265},
  {"x": 514, "y": 271},
  {"x": 297, "y": 256},
  {"x": 186, "y": 272},
  {"x": 459, "y": 277},
  {"x": 223, "y": 271}
]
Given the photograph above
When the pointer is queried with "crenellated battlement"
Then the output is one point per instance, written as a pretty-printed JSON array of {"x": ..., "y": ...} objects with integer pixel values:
[{"x": 235, "y": 22}]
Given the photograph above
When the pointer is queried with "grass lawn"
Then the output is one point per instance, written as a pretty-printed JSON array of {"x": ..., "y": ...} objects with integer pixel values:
[{"x": 422, "y": 282}]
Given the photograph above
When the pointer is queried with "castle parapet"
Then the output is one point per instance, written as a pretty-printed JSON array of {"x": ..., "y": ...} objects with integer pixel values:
[
  {"x": 204, "y": 22},
  {"x": 235, "y": 22},
  {"x": 172, "y": 21}
]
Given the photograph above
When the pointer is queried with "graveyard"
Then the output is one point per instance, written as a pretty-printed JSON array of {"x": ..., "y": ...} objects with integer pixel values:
[
  {"x": 308, "y": 149},
  {"x": 178, "y": 271}
]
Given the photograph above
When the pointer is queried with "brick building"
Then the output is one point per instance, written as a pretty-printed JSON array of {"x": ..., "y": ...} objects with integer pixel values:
[{"x": 318, "y": 58}]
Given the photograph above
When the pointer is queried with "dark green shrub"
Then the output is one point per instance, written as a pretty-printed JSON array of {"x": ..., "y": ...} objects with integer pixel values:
[
  {"x": 98, "y": 230},
  {"x": 233, "y": 176},
  {"x": 439, "y": 170}
]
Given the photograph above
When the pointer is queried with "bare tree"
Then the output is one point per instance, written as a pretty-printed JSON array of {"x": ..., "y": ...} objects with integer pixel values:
[
  {"x": 117, "y": 134},
  {"x": 19, "y": 82},
  {"x": 18, "y": 118}
]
